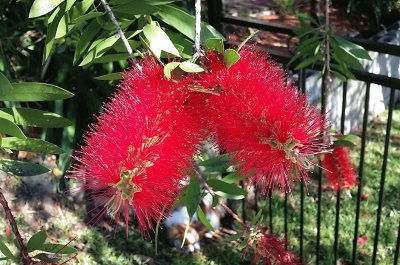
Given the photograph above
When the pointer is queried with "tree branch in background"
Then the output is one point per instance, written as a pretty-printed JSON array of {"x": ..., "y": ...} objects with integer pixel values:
[
  {"x": 24, "y": 252},
  {"x": 197, "y": 7},
  {"x": 120, "y": 32}
]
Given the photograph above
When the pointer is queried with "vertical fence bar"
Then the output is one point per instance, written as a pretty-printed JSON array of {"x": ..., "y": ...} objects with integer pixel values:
[
  {"x": 337, "y": 218},
  {"x": 323, "y": 110},
  {"x": 396, "y": 253},
  {"x": 361, "y": 170},
  {"x": 214, "y": 9},
  {"x": 244, "y": 217},
  {"x": 302, "y": 84},
  {"x": 384, "y": 165}
]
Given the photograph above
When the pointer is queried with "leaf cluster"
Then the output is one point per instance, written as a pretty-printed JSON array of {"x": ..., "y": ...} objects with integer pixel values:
[
  {"x": 14, "y": 119},
  {"x": 316, "y": 42}
]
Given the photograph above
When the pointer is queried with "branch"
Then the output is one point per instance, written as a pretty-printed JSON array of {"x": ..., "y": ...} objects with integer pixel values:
[
  {"x": 197, "y": 7},
  {"x": 24, "y": 252},
  {"x": 120, "y": 32},
  {"x": 234, "y": 215}
]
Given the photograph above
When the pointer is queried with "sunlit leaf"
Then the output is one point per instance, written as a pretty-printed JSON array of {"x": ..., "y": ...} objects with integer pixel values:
[
  {"x": 34, "y": 118},
  {"x": 214, "y": 44},
  {"x": 42, "y": 7},
  {"x": 159, "y": 40},
  {"x": 57, "y": 248},
  {"x": 5, "y": 250},
  {"x": 168, "y": 68},
  {"x": 228, "y": 188},
  {"x": 190, "y": 67},
  {"x": 10, "y": 128},
  {"x": 231, "y": 57}
]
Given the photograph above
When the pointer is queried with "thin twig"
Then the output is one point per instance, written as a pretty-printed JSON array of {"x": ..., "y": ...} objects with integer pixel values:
[
  {"x": 24, "y": 252},
  {"x": 120, "y": 32},
  {"x": 227, "y": 209},
  {"x": 197, "y": 7}
]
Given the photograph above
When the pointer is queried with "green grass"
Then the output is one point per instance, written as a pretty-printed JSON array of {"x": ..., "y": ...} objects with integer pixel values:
[{"x": 371, "y": 184}]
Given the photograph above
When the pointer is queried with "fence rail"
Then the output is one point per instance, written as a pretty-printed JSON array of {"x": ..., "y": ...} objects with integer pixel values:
[{"x": 217, "y": 18}]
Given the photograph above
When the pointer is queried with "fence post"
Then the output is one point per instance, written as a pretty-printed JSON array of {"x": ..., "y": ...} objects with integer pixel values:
[{"x": 214, "y": 9}]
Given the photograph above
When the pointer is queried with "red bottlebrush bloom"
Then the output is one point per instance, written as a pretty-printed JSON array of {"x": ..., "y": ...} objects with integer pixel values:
[
  {"x": 141, "y": 147},
  {"x": 338, "y": 169},
  {"x": 262, "y": 119},
  {"x": 269, "y": 250}
]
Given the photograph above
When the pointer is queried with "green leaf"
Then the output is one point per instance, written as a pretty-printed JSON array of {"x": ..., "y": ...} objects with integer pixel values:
[
  {"x": 5, "y": 86},
  {"x": 190, "y": 67},
  {"x": 31, "y": 145},
  {"x": 352, "y": 48},
  {"x": 10, "y": 128},
  {"x": 159, "y": 40},
  {"x": 85, "y": 39},
  {"x": 350, "y": 138},
  {"x": 109, "y": 77},
  {"x": 243, "y": 244},
  {"x": 233, "y": 178},
  {"x": 48, "y": 258},
  {"x": 214, "y": 44},
  {"x": 215, "y": 164},
  {"x": 184, "y": 23},
  {"x": 22, "y": 169},
  {"x": 193, "y": 197},
  {"x": 52, "y": 28},
  {"x": 228, "y": 188},
  {"x": 87, "y": 17},
  {"x": 98, "y": 48},
  {"x": 339, "y": 75},
  {"x": 257, "y": 218},
  {"x": 307, "y": 62},
  {"x": 32, "y": 91},
  {"x": 346, "y": 58},
  {"x": 34, "y": 118},
  {"x": 203, "y": 219},
  {"x": 42, "y": 7},
  {"x": 235, "y": 236},
  {"x": 5, "y": 250},
  {"x": 168, "y": 68},
  {"x": 111, "y": 58},
  {"x": 36, "y": 241},
  {"x": 231, "y": 57},
  {"x": 57, "y": 248}
]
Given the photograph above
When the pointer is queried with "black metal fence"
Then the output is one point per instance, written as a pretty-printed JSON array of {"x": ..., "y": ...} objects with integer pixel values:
[{"x": 217, "y": 18}]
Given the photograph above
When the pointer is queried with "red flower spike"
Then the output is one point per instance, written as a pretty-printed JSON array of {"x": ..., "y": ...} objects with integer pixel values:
[
  {"x": 141, "y": 147},
  {"x": 338, "y": 169},
  {"x": 262, "y": 120},
  {"x": 269, "y": 250}
]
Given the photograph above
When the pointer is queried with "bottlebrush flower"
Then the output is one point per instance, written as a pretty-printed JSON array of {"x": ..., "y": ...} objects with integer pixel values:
[
  {"x": 338, "y": 169},
  {"x": 262, "y": 119},
  {"x": 269, "y": 250},
  {"x": 141, "y": 146}
]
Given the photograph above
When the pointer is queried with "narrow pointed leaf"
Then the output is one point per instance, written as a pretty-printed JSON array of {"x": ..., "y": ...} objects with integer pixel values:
[
  {"x": 21, "y": 169},
  {"x": 110, "y": 77},
  {"x": 214, "y": 44},
  {"x": 42, "y": 7},
  {"x": 5, "y": 86},
  {"x": 31, "y": 145},
  {"x": 5, "y": 250},
  {"x": 57, "y": 248},
  {"x": 159, "y": 40},
  {"x": 232, "y": 189},
  {"x": 193, "y": 196},
  {"x": 10, "y": 128},
  {"x": 32, "y": 91},
  {"x": 231, "y": 57},
  {"x": 35, "y": 118},
  {"x": 203, "y": 219},
  {"x": 191, "y": 67}
]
